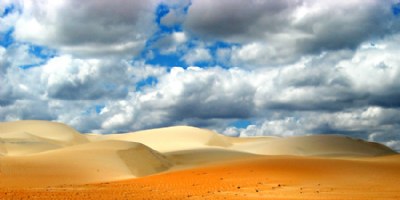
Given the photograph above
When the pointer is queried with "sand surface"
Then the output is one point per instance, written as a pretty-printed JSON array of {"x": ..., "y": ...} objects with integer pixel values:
[
  {"x": 268, "y": 177},
  {"x": 46, "y": 160}
]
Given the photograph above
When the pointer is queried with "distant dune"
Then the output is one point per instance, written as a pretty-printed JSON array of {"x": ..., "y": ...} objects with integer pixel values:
[
  {"x": 49, "y": 131},
  {"x": 172, "y": 138},
  {"x": 40, "y": 154},
  {"x": 185, "y": 138}
]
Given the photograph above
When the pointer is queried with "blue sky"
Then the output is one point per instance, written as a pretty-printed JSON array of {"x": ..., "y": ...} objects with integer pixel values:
[{"x": 239, "y": 67}]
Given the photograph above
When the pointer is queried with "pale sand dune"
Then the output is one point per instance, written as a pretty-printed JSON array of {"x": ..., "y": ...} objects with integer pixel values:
[
  {"x": 173, "y": 138},
  {"x": 52, "y": 131},
  {"x": 313, "y": 145},
  {"x": 38, "y": 153},
  {"x": 81, "y": 164},
  {"x": 28, "y": 137},
  {"x": 21, "y": 143},
  {"x": 186, "y": 138}
]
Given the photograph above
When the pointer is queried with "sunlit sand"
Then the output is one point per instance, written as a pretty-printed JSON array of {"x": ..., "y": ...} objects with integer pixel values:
[{"x": 47, "y": 160}]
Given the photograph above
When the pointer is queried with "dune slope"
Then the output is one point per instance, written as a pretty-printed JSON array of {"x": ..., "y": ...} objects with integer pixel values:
[
  {"x": 81, "y": 164},
  {"x": 22, "y": 143}
]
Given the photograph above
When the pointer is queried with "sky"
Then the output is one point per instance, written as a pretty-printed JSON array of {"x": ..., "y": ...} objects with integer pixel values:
[{"x": 239, "y": 67}]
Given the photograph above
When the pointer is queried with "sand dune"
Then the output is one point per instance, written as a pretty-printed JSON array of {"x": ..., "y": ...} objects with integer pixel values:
[
  {"x": 173, "y": 138},
  {"x": 185, "y": 138},
  {"x": 31, "y": 140},
  {"x": 22, "y": 143},
  {"x": 51, "y": 131},
  {"x": 313, "y": 145},
  {"x": 81, "y": 164},
  {"x": 39, "y": 154},
  {"x": 28, "y": 137}
]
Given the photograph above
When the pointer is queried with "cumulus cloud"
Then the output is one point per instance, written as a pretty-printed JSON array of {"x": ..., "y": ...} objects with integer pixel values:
[
  {"x": 185, "y": 96},
  {"x": 72, "y": 79},
  {"x": 68, "y": 89},
  {"x": 11, "y": 59},
  {"x": 87, "y": 28},
  {"x": 4, "y": 63},
  {"x": 197, "y": 55},
  {"x": 280, "y": 32},
  {"x": 315, "y": 95},
  {"x": 7, "y": 22},
  {"x": 68, "y": 78},
  {"x": 172, "y": 43},
  {"x": 26, "y": 109}
]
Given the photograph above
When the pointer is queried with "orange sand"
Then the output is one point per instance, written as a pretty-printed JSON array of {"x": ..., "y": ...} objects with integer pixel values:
[{"x": 269, "y": 177}]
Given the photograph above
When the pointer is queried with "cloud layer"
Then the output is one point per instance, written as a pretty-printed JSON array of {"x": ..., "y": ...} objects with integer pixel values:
[{"x": 242, "y": 68}]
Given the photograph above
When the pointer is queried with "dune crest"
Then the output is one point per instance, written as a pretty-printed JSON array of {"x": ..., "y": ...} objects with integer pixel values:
[
  {"x": 180, "y": 138},
  {"x": 313, "y": 145},
  {"x": 174, "y": 138},
  {"x": 52, "y": 131}
]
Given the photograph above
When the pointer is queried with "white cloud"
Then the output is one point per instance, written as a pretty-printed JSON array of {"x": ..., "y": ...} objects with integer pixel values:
[
  {"x": 374, "y": 67},
  {"x": 13, "y": 81},
  {"x": 93, "y": 28},
  {"x": 172, "y": 44},
  {"x": 183, "y": 96},
  {"x": 280, "y": 32},
  {"x": 260, "y": 54},
  {"x": 320, "y": 84},
  {"x": 223, "y": 55},
  {"x": 231, "y": 131},
  {"x": 8, "y": 21},
  {"x": 21, "y": 55},
  {"x": 3, "y": 60},
  {"x": 179, "y": 37},
  {"x": 68, "y": 78},
  {"x": 197, "y": 55}
]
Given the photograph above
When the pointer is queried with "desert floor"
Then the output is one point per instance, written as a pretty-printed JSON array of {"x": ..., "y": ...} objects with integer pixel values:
[{"x": 269, "y": 177}]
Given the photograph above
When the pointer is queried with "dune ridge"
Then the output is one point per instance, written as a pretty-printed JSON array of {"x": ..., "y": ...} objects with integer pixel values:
[
  {"x": 314, "y": 145},
  {"x": 54, "y": 131},
  {"x": 186, "y": 138},
  {"x": 171, "y": 138}
]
